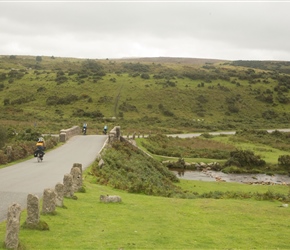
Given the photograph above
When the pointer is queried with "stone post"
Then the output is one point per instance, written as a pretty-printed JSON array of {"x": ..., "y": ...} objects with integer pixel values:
[
  {"x": 12, "y": 226},
  {"x": 59, "y": 191},
  {"x": 77, "y": 180},
  {"x": 101, "y": 163},
  {"x": 68, "y": 186},
  {"x": 62, "y": 137},
  {"x": 32, "y": 210},
  {"x": 49, "y": 201},
  {"x": 79, "y": 165},
  {"x": 118, "y": 132}
]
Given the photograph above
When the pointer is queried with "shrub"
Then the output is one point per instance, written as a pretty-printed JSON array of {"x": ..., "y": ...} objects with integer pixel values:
[
  {"x": 6, "y": 101},
  {"x": 54, "y": 100},
  {"x": 233, "y": 108},
  {"x": 145, "y": 76},
  {"x": 269, "y": 114},
  {"x": 127, "y": 107},
  {"x": 128, "y": 168},
  {"x": 3, "y": 157},
  {"x": 3, "y": 136},
  {"x": 284, "y": 160},
  {"x": 244, "y": 158},
  {"x": 22, "y": 100},
  {"x": 136, "y": 67},
  {"x": 41, "y": 89},
  {"x": 167, "y": 112},
  {"x": 82, "y": 113},
  {"x": 2, "y": 76}
]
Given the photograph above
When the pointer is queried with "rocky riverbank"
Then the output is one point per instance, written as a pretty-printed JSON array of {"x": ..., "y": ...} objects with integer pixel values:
[{"x": 253, "y": 179}]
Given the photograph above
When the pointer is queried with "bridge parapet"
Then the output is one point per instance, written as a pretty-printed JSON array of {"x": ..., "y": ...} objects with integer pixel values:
[
  {"x": 115, "y": 134},
  {"x": 65, "y": 134}
]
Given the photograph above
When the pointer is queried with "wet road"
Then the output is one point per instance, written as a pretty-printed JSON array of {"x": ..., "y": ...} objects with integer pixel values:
[{"x": 19, "y": 180}]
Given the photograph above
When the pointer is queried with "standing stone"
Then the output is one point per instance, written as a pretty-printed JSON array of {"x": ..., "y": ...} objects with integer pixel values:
[
  {"x": 49, "y": 201},
  {"x": 101, "y": 163},
  {"x": 32, "y": 210},
  {"x": 59, "y": 191},
  {"x": 118, "y": 132},
  {"x": 62, "y": 136},
  {"x": 12, "y": 226},
  {"x": 68, "y": 186},
  {"x": 77, "y": 179},
  {"x": 78, "y": 165}
]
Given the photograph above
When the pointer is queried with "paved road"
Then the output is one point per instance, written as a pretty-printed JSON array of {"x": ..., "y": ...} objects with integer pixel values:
[
  {"x": 221, "y": 132},
  {"x": 19, "y": 180}
]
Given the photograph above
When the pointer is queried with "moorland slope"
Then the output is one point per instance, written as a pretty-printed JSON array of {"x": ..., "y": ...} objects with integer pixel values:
[{"x": 169, "y": 95}]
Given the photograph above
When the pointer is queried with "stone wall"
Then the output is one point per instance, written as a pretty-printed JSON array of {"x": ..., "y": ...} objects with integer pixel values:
[
  {"x": 115, "y": 134},
  {"x": 65, "y": 134}
]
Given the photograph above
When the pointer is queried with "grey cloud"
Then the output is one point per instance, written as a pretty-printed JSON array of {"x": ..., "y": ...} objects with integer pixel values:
[{"x": 232, "y": 30}]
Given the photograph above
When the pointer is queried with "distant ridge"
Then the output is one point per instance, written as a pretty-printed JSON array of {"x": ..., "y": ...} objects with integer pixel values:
[{"x": 181, "y": 60}]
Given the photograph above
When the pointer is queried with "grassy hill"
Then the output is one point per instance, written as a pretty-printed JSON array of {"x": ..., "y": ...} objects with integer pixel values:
[
  {"x": 167, "y": 95},
  {"x": 146, "y": 222}
]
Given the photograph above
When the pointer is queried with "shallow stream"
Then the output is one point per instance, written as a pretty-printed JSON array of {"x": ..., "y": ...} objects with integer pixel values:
[{"x": 241, "y": 178}]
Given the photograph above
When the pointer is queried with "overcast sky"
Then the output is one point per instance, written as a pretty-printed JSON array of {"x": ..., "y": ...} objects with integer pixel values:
[{"x": 232, "y": 30}]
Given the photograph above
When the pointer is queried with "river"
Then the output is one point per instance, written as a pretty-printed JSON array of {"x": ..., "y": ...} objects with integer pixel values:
[{"x": 240, "y": 178}]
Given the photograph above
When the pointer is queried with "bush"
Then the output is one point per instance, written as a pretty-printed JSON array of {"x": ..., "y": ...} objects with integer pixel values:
[
  {"x": 54, "y": 100},
  {"x": 128, "y": 168},
  {"x": 92, "y": 114},
  {"x": 127, "y": 107},
  {"x": 244, "y": 158},
  {"x": 2, "y": 76},
  {"x": 284, "y": 160},
  {"x": 22, "y": 149},
  {"x": 145, "y": 76},
  {"x": 3, "y": 137},
  {"x": 6, "y": 101},
  {"x": 3, "y": 157}
]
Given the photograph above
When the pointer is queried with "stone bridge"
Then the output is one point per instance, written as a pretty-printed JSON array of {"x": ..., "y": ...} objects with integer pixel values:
[{"x": 66, "y": 134}]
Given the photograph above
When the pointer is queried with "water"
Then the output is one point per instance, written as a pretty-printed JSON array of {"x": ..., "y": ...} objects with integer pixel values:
[{"x": 240, "y": 178}]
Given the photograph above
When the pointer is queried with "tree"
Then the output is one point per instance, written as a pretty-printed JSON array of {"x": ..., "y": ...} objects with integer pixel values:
[{"x": 38, "y": 58}]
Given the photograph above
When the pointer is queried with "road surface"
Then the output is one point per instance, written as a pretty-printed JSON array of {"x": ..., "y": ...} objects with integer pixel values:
[
  {"x": 31, "y": 177},
  {"x": 221, "y": 133},
  {"x": 19, "y": 180}
]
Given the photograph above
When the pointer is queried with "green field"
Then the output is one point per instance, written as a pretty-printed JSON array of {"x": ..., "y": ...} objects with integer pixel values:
[{"x": 145, "y": 222}]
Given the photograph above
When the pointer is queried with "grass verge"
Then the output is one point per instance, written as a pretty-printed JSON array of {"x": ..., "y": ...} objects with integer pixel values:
[{"x": 150, "y": 222}]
